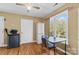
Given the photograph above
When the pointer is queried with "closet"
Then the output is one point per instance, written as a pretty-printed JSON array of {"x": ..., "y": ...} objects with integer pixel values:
[{"x": 1, "y": 31}]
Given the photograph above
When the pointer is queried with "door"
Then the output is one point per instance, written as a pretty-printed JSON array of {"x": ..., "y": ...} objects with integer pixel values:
[
  {"x": 26, "y": 31},
  {"x": 1, "y": 31},
  {"x": 40, "y": 32}
]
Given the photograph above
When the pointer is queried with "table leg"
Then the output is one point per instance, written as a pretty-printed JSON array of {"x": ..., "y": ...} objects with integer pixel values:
[
  {"x": 54, "y": 49},
  {"x": 65, "y": 47}
]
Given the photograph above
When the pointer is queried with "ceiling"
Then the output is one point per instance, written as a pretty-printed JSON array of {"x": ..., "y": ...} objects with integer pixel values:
[{"x": 45, "y": 9}]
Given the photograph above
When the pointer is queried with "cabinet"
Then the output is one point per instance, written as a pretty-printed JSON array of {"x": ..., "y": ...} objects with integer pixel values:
[{"x": 13, "y": 41}]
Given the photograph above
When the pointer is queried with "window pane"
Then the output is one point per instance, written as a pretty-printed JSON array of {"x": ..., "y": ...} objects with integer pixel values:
[{"x": 59, "y": 25}]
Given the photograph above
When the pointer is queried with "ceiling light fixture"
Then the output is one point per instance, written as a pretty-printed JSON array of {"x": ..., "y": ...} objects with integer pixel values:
[{"x": 29, "y": 6}]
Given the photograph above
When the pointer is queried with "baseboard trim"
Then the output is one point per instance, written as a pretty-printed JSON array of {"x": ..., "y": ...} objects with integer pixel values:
[
  {"x": 63, "y": 51},
  {"x": 28, "y": 42},
  {"x": 4, "y": 45}
]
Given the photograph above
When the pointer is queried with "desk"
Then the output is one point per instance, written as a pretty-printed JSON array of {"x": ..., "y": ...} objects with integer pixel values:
[{"x": 56, "y": 40}]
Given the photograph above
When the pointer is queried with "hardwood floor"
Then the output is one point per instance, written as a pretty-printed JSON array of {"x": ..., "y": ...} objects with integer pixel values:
[{"x": 25, "y": 49}]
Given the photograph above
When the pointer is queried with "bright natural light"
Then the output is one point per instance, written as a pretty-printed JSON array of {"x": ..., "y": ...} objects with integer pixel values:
[{"x": 59, "y": 25}]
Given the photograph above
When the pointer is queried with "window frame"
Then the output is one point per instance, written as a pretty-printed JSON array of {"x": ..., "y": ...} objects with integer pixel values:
[{"x": 54, "y": 21}]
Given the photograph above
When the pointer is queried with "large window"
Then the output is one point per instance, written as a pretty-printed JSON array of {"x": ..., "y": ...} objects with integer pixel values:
[{"x": 59, "y": 25}]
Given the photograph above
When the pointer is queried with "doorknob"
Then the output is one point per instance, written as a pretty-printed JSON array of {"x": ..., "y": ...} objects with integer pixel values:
[{"x": 21, "y": 32}]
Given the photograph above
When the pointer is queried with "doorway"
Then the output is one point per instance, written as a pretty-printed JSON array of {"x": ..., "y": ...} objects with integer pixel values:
[
  {"x": 26, "y": 30},
  {"x": 1, "y": 31},
  {"x": 40, "y": 32}
]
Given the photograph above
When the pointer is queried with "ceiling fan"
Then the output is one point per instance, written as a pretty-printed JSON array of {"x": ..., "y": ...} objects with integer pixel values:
[{"x": 29, "y": 6}]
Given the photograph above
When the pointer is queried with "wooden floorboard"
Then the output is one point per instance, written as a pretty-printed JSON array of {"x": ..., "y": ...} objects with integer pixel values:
[{"x": 26, "y": 49}]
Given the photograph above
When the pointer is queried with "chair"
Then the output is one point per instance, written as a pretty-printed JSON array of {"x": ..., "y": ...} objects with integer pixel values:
[
  {"x": 45, "y": 44},
  {"x": 44, "y": 40}
]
